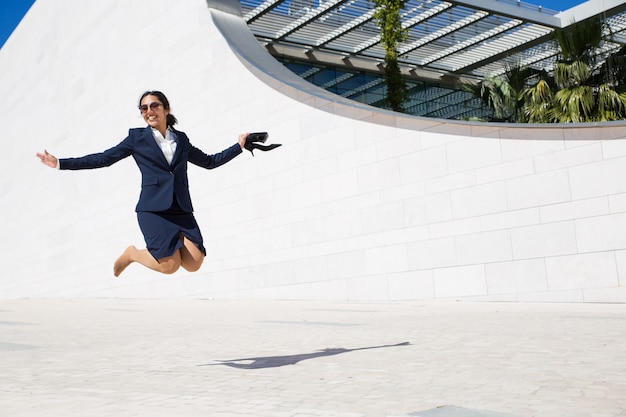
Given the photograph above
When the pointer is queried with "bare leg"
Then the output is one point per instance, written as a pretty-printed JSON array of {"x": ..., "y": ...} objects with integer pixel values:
[
  {"x": 167, "y": 265},
  {"x": 191, "y": 256}
]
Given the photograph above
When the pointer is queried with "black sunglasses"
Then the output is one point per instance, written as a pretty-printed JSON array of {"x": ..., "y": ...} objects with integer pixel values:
[{"x": 153, "y": 106}]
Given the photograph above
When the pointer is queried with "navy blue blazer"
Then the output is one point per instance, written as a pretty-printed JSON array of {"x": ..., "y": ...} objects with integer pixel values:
[{"x": 160, "y": 181}]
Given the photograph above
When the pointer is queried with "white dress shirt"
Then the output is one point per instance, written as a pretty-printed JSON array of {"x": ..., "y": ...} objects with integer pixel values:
[{"x": 167, "y": 143}]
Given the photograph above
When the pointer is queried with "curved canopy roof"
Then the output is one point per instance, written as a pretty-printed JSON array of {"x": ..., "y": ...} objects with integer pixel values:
[{"x": 447, "y": 38}]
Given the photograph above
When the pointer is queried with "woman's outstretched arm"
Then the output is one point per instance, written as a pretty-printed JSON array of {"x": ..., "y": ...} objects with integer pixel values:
[{"x": 198, "y": 157}]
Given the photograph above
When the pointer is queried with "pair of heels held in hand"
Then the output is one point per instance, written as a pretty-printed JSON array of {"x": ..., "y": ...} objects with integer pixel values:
[{"x": 254, "y": 140}]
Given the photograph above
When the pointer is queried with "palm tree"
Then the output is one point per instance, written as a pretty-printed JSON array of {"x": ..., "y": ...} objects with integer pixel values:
[
  {"x": 611, "y": 104},
  {"x": 575, "y": 101},
  {"x": 584, "y": 95},
  {"x": 613, "y": 70},
  {"x": 504, "y": 94},
  {"x": 538, "y": 103},
  {"x": 579, "y": 89},
  {"x": 578, "y": 41}
]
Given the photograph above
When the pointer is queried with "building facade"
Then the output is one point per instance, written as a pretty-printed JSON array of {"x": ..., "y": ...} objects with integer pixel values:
[{"x": 358, "y": 204}]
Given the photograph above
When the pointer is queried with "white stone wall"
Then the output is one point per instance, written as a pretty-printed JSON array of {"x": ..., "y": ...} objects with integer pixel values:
[{"x": 357, "y": 204}]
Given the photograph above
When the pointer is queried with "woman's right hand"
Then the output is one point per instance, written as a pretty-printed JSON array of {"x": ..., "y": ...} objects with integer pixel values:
[{"x": 48, "y": 159}]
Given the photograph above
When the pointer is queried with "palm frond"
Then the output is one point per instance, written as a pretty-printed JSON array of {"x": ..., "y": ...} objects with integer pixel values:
[{"x": 538, "y": 102}]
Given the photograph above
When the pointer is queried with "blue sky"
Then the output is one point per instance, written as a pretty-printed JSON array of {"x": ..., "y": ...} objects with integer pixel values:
[
  {"x": 558, "y": 5},
  {"x": 12, "y": 11}
]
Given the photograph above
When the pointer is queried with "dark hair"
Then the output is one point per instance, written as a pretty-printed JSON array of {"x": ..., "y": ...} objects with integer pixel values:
[{"x": 169, "y": 119}]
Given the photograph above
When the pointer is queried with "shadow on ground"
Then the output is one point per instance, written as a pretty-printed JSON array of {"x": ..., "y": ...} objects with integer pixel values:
[{"x": 278, "y": 361}]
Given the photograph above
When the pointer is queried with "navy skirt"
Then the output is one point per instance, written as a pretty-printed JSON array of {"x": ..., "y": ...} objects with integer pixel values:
[{"x": 162, "y": 231}]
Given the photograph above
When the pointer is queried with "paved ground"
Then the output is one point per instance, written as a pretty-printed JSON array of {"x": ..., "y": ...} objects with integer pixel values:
[{"x": 308, "y": 359}]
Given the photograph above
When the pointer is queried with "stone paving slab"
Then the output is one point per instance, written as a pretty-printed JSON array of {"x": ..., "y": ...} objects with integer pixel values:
[{"x": 113, "y": 357}]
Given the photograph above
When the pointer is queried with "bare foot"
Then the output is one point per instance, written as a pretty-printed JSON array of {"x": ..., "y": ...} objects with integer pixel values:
[{"x": 123, "y": 261}]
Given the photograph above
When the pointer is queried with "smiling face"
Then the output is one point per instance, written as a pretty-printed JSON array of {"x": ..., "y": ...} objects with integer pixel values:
[{"x": 154, "y": 112}]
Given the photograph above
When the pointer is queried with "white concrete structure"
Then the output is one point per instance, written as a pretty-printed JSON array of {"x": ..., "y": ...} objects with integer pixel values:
[{"x": 358, "y": 204}]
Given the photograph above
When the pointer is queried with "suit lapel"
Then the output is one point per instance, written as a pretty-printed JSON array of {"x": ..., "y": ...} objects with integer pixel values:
[
  {"x": 154, "y": 146},
  {"x": 179, "y": 147}
]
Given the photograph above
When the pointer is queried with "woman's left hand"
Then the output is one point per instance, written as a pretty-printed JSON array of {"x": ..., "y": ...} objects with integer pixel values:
[{"x": 242, "y": 140}]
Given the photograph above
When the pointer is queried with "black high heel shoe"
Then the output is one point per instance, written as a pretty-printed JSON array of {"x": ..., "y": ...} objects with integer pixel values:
[{"x": 253, "y": 140}]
